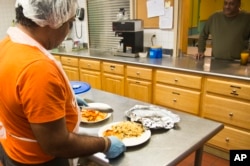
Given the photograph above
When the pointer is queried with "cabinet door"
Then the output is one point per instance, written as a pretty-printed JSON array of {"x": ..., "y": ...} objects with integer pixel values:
[
  {"x": 232, "y": 112},
  {"x": 179, "y": 79},
  {"x": 71, "y": 72},
  {"x": 69, "y": 61},
  {"x": 139, "y": 72},
  {"x": 113, "y": 68},
  {"x": 177, "y": 98},
  {"x": 90, "y": 64},
  {"x": 91, "y": 77},
  {"x": 113, "y": 83},
  {"x": 230, "y": 138},
  {"x": 229, "y": 88},
  {"x": 138, "y": 89}
]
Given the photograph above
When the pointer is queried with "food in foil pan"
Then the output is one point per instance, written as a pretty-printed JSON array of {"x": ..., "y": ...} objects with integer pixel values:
[{"x": 152, "y": 117}]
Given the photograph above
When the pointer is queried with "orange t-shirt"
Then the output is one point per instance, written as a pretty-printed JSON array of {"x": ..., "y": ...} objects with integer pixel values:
[{"x": 33, "y": 90}]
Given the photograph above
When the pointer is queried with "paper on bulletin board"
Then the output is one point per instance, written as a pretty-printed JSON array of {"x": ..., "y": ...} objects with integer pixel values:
[
  {"x": 166, "y": 20},
  {"x": 155, "y": 8}
]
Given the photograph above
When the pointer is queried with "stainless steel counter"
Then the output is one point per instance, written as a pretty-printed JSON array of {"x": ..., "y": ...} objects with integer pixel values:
[
  {"x": 207, "y": 66},
  {"x": 165, "y": 147}
]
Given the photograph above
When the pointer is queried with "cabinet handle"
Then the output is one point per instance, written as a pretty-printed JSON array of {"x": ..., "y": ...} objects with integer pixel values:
[
  {"x": 175, "y": 80},
  {"x": 233, "y": 86},
  {"x": 231, "y": 114},
  {"x": 88, "y": 65},
  {"x": 137, "y": 73},
  {"x": 234, "y": 92},
  {"x": 175, "y": 93},
  {"x": 112, "y": 67},
  {"x": 175, "y": 100},
  {"x": 227, "y": 139}
]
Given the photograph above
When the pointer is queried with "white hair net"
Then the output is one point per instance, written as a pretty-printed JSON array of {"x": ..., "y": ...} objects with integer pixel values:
[{"x": 48, "y": 12}]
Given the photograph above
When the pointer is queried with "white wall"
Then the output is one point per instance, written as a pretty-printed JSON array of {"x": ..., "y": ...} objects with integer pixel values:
[
  {"x": 80, "y": 29},
  {"x": 7, "y": 15},
  {"x": 164, "y": 38}
]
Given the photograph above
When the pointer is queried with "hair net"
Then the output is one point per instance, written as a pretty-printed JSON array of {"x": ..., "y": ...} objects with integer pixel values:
[{"x": 48, "y": 12}]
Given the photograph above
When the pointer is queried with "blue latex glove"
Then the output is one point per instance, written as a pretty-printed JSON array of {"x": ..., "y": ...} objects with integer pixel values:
[
  {"x": 81, "y": 102},
  {"x": 116, "y": 148}
]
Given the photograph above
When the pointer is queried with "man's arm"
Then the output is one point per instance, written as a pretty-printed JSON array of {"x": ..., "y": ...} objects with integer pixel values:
[
  {"x": 203, "y": 38},
  {"x": 55, "y": 140}
]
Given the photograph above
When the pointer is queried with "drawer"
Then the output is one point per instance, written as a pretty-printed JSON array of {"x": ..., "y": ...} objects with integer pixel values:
[
  {"x": 229, "y": 88},
  {"x": 174, "y": 78},
  {"x": 228, "y": 111},
  {"x": 90, "y": 64},
  {"x": 230, "y": 138},
  {"x": 139, "y": 72},
  {"x": 69, "y": 61},
  {"x": 114, "y": 68},
  {"x": 177, "y": 98}
]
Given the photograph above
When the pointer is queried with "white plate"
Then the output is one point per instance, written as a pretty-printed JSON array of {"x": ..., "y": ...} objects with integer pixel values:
[
  {"x": 133, "y": 141},
  {"x": 108, "y": 115}
]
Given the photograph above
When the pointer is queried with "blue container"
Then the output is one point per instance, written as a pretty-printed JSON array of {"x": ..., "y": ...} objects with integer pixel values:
[
  {"x": 155, "y": 52},
  {"x": 80, "y": 87}
]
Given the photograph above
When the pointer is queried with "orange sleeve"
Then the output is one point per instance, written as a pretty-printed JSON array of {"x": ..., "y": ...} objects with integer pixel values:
[{"x": 43, "y": 94}]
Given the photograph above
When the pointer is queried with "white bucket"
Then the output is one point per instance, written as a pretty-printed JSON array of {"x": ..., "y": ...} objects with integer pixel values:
[{"x": 68, "y": 45}]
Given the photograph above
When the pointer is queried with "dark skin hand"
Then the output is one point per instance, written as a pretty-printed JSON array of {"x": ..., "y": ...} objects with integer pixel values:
[{"x": 55, "y": 140}]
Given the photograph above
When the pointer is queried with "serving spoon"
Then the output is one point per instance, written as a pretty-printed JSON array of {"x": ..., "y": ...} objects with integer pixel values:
[{"x": 102, "y": 107}]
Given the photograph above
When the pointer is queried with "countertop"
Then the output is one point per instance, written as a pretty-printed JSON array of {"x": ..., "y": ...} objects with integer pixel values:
[
  {"x": 207, "y": 65},
  {"x": 165, "y": 147}
]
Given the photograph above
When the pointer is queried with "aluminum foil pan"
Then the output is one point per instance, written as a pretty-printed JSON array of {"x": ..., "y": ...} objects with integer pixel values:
[{"x": 152, "y": 117}]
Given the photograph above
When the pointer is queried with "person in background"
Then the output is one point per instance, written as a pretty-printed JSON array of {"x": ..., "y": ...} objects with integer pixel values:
[
  {"x": 39, "y": 115},
  {"x": 230, "y": 31}
]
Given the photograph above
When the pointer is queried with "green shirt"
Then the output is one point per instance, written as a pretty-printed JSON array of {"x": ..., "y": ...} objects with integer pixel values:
[{"x": 230, "y": 35}]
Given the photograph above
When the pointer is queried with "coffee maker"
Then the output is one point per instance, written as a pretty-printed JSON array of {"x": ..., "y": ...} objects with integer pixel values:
[{"x": 131, "y": 32}]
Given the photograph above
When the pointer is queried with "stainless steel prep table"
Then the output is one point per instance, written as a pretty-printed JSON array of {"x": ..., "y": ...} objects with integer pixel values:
[{"x": 165, "y": 147}]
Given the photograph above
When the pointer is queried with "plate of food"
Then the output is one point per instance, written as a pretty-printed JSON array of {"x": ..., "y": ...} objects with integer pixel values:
[
  {"x": 130, "y": 133},
  {"x": 93, "y": 116}
]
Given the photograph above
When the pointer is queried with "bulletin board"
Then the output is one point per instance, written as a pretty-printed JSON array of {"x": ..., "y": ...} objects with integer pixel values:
[{"x": 141, "y": 13}]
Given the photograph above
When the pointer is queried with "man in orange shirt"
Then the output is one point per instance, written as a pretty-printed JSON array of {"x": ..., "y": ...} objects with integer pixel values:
[{"x": 38, "y": 111}]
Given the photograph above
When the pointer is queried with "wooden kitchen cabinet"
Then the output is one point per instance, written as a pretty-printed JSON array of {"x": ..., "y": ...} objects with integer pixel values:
[
  {"x": 71, "y": 67},
  {"x": 231, "y": 139},
  {"x": 90, "y": 72},
  {"x": 139, "y": 83},
  {"x": 228, "y": 101},
  {"x": 181, "y": 91},
  {"x": 113, "y": 77}
]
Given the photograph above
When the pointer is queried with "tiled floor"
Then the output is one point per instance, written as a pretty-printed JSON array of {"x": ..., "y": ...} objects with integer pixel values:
[{"x": 207, "y": 160}]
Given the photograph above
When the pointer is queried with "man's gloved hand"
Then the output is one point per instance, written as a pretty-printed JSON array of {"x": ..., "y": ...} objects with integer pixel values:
[
  {"x": 80, "y": 101},
  {"x": 116, "y": 147}
]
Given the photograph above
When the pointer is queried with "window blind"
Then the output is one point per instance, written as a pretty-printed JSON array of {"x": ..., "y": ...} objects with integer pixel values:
[{"x": 101, "y": 14}]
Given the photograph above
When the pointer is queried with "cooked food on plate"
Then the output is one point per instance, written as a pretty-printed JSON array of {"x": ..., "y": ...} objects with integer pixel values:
[
  {"x": 92, "y": 115},
  {"x": 125, "y": 129}
]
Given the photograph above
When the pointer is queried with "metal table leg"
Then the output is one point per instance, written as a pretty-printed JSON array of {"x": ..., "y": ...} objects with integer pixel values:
[{"x": 198, "y": 156}]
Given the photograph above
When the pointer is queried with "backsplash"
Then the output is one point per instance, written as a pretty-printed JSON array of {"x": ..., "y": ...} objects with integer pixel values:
[{"x": 165, "y": 38}]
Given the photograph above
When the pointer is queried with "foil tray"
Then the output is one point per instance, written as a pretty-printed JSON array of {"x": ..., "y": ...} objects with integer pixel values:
[{"x": 152, "y": 117}]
